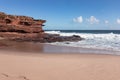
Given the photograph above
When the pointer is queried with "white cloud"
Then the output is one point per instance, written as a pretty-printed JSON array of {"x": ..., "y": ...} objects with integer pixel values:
[
  {"x": 93, "y": 20},
  {"x": 78, "y": 19},
  {"x": 118, "y": 21},
  {"x": 106, "y": 21}
]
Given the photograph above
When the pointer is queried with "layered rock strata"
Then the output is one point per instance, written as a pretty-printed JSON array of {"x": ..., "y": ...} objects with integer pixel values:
[{"x": 24, "y": 28}]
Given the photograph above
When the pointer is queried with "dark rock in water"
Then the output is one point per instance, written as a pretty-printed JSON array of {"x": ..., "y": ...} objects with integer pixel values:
[
  {"x": 48, "y": 38},
  {"x": 76, "y": 36},
  {"x": 24, "y": 28},
  {"x": 58, "y": 38}
]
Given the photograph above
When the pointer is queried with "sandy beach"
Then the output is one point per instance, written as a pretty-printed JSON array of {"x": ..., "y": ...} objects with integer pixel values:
[
  {"x": 60, "y": 40},
  {"x": 58, "y": 66}
]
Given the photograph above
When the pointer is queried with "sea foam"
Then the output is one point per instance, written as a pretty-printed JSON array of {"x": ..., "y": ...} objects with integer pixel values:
[{"x": 104, "y": 41}]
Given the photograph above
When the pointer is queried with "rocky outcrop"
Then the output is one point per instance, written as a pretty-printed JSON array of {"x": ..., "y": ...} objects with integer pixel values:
[
  {"x": 23, "y": 24},
  {"x": 24, "y": 28},
  {"x": 12, "y": 26},
  {"x": 48, "y": 38}
]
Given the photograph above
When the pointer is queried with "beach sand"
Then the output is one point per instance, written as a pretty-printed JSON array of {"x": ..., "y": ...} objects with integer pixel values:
[{"x": 58, "y": 66}]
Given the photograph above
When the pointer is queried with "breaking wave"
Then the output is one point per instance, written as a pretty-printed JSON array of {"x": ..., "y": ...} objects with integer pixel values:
[{"x": 105, "y": 41}]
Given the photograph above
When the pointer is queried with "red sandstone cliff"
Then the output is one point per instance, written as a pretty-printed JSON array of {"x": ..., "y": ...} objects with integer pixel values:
[
  {"x": 12, "y": 23},
  {"x": 26, "y": 28},
  {"x": 12, "y": 26}
]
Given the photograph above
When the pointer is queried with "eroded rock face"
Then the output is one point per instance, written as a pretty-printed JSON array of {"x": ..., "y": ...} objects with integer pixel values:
[
  {"x": 24, "y": 28},
  {"x": 12, "y": 26},
  {"x": 12, "y": 23}
]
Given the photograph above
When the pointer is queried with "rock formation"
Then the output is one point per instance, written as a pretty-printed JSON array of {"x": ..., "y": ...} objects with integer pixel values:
[
  {"x": 24, "y": 28},
  {"x": 21, "y": 24}
]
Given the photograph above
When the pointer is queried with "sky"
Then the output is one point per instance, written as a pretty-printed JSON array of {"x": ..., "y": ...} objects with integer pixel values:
[{"x": 68, "y": 14}]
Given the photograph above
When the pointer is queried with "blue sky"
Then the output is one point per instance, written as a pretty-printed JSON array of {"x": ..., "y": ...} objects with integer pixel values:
[{"x": 68, "y": 14}]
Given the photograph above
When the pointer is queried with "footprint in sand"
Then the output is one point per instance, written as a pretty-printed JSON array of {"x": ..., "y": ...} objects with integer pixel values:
[
  {"x": 19, "y": 77},
  {"x": 23, "y": 77},
  {"x": 5, "y": 75}
]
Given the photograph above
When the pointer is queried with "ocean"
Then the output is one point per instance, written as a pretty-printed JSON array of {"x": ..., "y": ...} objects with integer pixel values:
[{"x": 108, "y": 40}]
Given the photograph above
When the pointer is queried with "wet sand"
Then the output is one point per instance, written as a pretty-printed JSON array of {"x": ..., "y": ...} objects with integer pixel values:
[
  {"x": 28, "y": 62},
  {"x": 33, "y": 47}
]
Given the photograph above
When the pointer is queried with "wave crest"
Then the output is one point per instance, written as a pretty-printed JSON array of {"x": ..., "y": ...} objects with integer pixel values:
[{"x": 108, "y": 41}]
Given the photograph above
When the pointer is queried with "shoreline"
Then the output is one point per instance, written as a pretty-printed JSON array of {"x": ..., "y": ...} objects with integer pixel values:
[
  {"x": 35, "y": 47},
  {"x": 79, "y": 50},
  {"x": 31, "y": 61}
]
